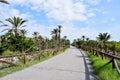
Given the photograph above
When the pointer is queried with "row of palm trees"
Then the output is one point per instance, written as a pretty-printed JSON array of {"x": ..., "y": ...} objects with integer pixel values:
[
  {"x": 15, "y": 37},
  {"x": 56, "y": 35},
  {"x": 101, "y": 42}
]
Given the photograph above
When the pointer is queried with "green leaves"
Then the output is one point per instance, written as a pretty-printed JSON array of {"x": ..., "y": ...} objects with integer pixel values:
[
  {"x": 3, "y": 1},
  {"x": 16, "y": 23},
  {"x": 103, "y": 37}
]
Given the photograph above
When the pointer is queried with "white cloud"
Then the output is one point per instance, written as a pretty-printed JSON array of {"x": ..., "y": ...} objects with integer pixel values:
[
  {"x": 94, "y": 2},
  {"x": 68, "y": 11},
  {"x": 61, "y": 10},
  {"x": 91, "y": 14},
  {"x": 8, "y": 12},
  {"x": 65, "y": 10},
  {"x": 109, "y": 0}
]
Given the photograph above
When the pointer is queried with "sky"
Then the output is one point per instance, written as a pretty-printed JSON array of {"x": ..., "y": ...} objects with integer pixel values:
[{"x": 77, "y": 17}]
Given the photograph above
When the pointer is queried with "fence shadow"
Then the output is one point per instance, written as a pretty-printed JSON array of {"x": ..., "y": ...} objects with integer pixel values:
[
  {"x": 102, "y": 67},
  {"x": 89, "y": 73}
]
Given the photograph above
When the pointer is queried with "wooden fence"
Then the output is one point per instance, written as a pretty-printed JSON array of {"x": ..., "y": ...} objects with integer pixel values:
[
  {"x": 111, "y": 55},
  {"x": 38, "y": 55}
]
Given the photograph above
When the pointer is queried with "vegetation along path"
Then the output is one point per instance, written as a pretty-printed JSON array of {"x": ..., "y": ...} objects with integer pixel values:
[{"x": 73, "y": 64}]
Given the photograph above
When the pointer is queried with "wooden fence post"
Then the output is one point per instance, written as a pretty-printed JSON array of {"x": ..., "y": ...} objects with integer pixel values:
[
  {"x": 102, "y": 54},
  {"x": 92, "y": 51},
  {"x": 24, "y": 58},
  {"x": 39, "y": 54},
  {"x": 113, "y": 59}
]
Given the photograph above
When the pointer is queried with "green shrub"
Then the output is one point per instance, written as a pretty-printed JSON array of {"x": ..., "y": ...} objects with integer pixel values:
[
  {"x": 103, "y": 69},
  {"x": 7, "y": 52}
]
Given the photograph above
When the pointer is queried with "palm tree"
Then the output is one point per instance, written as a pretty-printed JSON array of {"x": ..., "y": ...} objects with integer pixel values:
[
  {"x": 36, "y": 34},
  {"x": 36, "y": 40},
  {"x": 23, "y": 33},
  {"x": 14, "y": 30},
  {"x": 55, "y": 34},
  {"x": 55, "y": 37},
  {"x": 83, "y": 38},
  {"x": 65, "y": 37},
  {"x": 103, "y": 37},
  {"x": 16, "y": 23},
  {"x": 87, "y": 39},
  {"x": 3, "y": 1},
  {"x": 59, "y": 32},
  {"x": 40, "y": 42}
]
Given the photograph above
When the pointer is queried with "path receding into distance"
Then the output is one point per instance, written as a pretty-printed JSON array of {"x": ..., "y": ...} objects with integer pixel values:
[{"x": 73, "y": 64}]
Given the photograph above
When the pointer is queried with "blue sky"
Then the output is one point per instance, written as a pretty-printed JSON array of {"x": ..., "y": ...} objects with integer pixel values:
[{"x": 78, "y": 17}]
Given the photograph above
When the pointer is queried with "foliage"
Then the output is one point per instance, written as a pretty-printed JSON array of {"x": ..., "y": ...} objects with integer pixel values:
[
  {"x": 101, "y": 42},
  {"x": 15, "y": 38},
  {"x": 103, "y": 70},
  {"x": 4, "y": 1},
  {"x": 7, "y": 52}
]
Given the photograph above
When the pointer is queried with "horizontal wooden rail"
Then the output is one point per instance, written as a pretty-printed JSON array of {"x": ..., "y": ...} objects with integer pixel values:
[
  {"x": 40, "y": 53},
  {"x": 108, "y": 54},
  {"x": 9, "y": 63},
  {"x": 111, "y": 55}
]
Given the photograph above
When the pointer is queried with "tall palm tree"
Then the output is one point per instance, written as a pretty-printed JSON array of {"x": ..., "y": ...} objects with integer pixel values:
[
  {"x": 83, "y": 38},
  {"x": 36, "y": 34},
  {"x": 36, "y": 40},
  {"x": 16, "y": 24},
  {"x": 59, "y": 33},
  {"x": 55, "y": 37},
  {"x": 40, "y": 42},
  {"x": 103, "y": 37},
  {"x": 87, "y": 39},
  {"x": 23, "y": 33},
  {"x": 3, "y": 1},
  {"x": 65, "y": 37},
  {"x": 55, "y": 34}
]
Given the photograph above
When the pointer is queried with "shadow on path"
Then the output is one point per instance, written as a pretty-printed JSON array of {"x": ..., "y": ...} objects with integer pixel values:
[{"x": 88, "y": 68}]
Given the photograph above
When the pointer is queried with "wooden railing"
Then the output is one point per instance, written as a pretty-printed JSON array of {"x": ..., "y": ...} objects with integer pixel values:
[
  {"x": 111, "y": 55},
  {"x": 37, "y": 54}
]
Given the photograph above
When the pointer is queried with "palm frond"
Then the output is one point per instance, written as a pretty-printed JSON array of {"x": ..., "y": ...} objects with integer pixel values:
[
  {"x": 23, "y": 21},
  {"x": 5, "y": 29},
  {"x": 4, "y": 25},
  {"x": 3, "y": 1},
  {"x": 10, "y": 21}
]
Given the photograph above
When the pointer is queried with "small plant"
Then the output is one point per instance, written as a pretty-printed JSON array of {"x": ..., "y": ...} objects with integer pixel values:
[
  {"x": 103, "y": 69},
  {"x": 7, "y": 52}
]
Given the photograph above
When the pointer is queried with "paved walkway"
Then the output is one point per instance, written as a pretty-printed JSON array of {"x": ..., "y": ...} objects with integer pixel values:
[{"x": 73, "y": 64}]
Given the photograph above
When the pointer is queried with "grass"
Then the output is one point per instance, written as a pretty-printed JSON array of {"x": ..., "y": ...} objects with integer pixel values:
[
  {"x": 103, "y": 70},
  {"x": 7, "y": 69}
]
